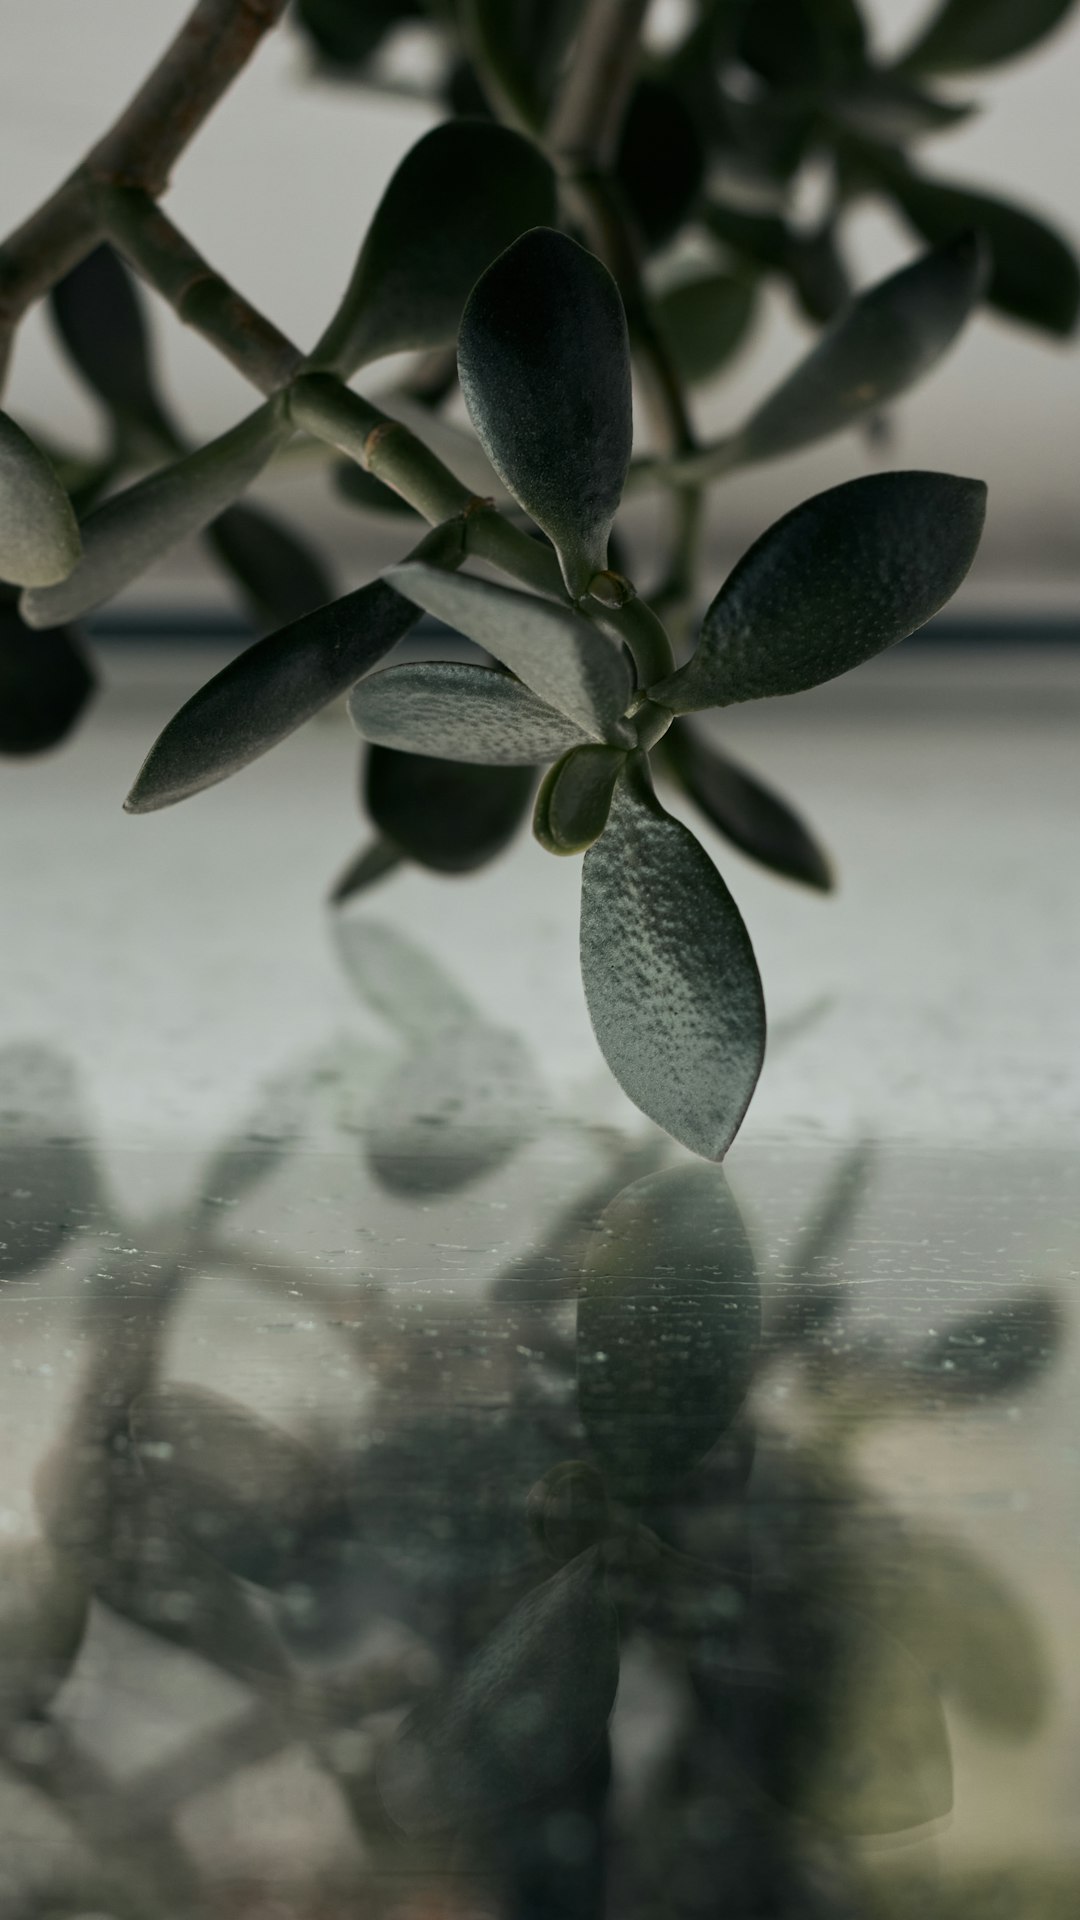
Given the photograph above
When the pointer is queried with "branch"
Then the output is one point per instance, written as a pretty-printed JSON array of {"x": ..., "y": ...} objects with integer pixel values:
[{"x": 588, "y": 113}]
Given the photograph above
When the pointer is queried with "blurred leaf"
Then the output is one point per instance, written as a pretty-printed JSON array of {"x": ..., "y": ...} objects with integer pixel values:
[
  {"x": 1003, "y": 1349},
  {"x": 574, "y": 800},
  {"x": 458, "y": 712},
  {"x": 43, "y": 1608},
  {"x": 751, "y": 816},
  {"x": 544, "y": 363},
  {"x": 761, "y": 238},
  {"x": 39, "y": 536},
  {"x": 819, "y": 273},
  {"x": 268, "y": 691},
  {"x": 886, "y": 340},
  {"x": 668, "y": 1326},
  {"x": 49, "y": 1186},
  {"x": 521, "y": 47},
  {"x": 45, "y": 682},
  {"x": 837, "y": 580},
  {"x": 660, "y": 162},
  {"x": 964, "y": 35},
  {"x": 281, "y": 576},
  {"x": 137, "y": 527},
  {"x": 887, "y": 107},
  {"x": 459, "y": 1107},
  {"x": 445, "y": 814},
  {"x": 804, "y": 44},
  {"x": 670, "y": 977},
  {"x": 704, "y": 322},
  {"x": 522, "y": 1713},
  {"x": 372, "y": 864},
  {"x": 811, "y": 1290},
  {"x": 347, "y": 33},
  {"x": 361, "y": 489},
  {"x": 461, "y": 195},
  {"x": 568, "y": 1510},
  {"x": 100, "y": 319},
  {"x": 553, "y": 651}
]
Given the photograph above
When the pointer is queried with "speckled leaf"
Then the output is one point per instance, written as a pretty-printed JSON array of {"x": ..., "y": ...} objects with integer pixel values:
[
  {"x": 461, "y": 195},
  {"x": 574, "y": 800},
  {"x": 670, "y": 977},
  {"x": 444, "y": 814},
  {"x": 278, "y": 573},
  {"x": 269, "y": 691},
  {"x": 134, "y": 528},
  {"x": 544, "y": 361},
  {"x": 837, "y": 580},
  {"x": 965, "y": 35},
  {"x": 877, "y": 348},
  {"x": 754, "y": 818},
  {"x": 554, "y": 651},
  {"x": 705, "y": 320},
  {"x": 668, "y": 1326},
  {"x": 45, "y": 682},
  {"x": 459, "y": 712},
  {"x": 524, "y": 1710},
  {"x": 39, "y": 535},
  {"x": 99, "y": 315}
]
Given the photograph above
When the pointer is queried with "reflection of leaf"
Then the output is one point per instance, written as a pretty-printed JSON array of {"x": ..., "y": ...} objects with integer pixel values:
[
  {"x": 525, "y": 1710},
  {"x": 401, "y": 982},
  {"x": 1002, "y": 1350},
  {"x": 669, "y": 1318},
  {"x": 456, "y": 1110},
  {"x": 42, "y": 1616},
  {"x": 810, "y": 1291},
  {"x": 49, "y": 1188}
]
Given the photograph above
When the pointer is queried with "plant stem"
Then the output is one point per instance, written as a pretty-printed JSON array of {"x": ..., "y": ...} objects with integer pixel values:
[{"x": 588, "y": 112}]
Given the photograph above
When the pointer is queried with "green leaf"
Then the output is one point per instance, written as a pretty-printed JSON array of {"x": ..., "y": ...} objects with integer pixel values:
[
  {"x": 1034, "y": 276},
  {"x": 837, "y": 580},
  {"x": 660, "y": 162},
  {"x": 346, "y": 34},
  {"x": 458, "y": 712},
  {"x": 521, "y": 47},
  {"x": 461, "y": 195},
  {"x": 554, "y": 651},
  {"x": 444, "y": 814},
  {"x": 965, "y": 35},
  {"x": 39, "y": 536},
  {"x": 804, "y": 44},
  {"x": 752, "y": 817},
  {"x": 523, "y": 1712},
  {"x": 100, "y": 319},
  {"x": 574, "y": 800},
  {"x": 670, "y": 977},
  {"x": 760, "y": 238},
  {"x": 373, "y": 863},
  {"x": 668, "y": 1327},
  {"x": 45, "y": 682},
  {"x": 280, "y": 575},
  {"x": 544, "y": 362},
  {"x": 887, "y": 107},
  {"x": 269, "y": 691},
  {"x": 885, "y": 341},
  {"x": 704, "y": 322},
  {"x": 136, "y": 527}
]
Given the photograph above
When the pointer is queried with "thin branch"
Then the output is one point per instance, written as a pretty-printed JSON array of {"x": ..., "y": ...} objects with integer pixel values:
[{"x": 588, "y": 113}]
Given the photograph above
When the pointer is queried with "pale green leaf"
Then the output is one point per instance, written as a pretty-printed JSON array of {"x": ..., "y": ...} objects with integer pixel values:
[
  {"x": 39, "y": 536},
  {"x": 459, "y": 712},
  {"x": 574, "y": 800}
]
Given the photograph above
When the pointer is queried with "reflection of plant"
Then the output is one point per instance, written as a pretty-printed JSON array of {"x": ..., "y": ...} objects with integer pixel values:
[{"x": 465, "y": 250}]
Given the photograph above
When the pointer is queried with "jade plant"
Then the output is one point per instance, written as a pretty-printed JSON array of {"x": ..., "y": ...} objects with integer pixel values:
[{"x": 516, "y": 249}]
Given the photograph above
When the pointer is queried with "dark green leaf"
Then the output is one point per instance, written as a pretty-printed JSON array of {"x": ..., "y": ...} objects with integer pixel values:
[
  {"x": 704, "y": 321},
  {"x": 837, "y": 580},
  {"x": 461, "y": 195},
  {"x": 819, "y": 274},
  {"x": 660, "y": 162},
  {"x": 525, "y": 1710},
  {"x": 760, "y": 238},
  {"x": 521, "y": 46},
  {"x": 134, "y": 528},
  {"x": 45, "y": 682},
  {"x": 100, "y": 319},
  {"x": 445, "y": 814},
  {"x": 457, "y": 1109},
  {"x": 668, "y": 1326},
  {"x": 1034, "y": 276},
  {"x": 885, "y": 340},
  {"x": 361, "y": 489},
  {"x": 269, "y": 691},
  {"x": 753, "y": 817},
  {"x": 554, "y": 651},
  {"x": 458, "y": 712},
  {"x": 804, "y": 44},
  {"x": 670, "y": 977},
  {"x": 372, "y": 864},
  {"x": 574, "y": 800},
  {"x": 544, "y": 361},
  {"x": 887, "y": 107},
  {"x": 347, "y": 33},
  {"x": 964, "y": 35},
  {"x": 280, "y": 575},
  {"x": 39, "y": 536}
]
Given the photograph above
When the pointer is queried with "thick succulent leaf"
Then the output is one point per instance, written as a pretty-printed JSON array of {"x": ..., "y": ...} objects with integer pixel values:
[
  {"x": 660, "y": 162},
  {"x": 269, "y": 691},
  {"x": 45, "y": 682},
  {"x": 705, "y": 320},
  {"x": 99, "y": 315},
  {"x": 524, "y": 1711},
  {"x": 574, "y": 800},
  {"x": 521, "y": 46},
  {"x": 458, "y": 712},
  {"x": 444, "y": 814},
  {"x": 1034, "y": 276},
  {"x": 837, "y": 580},
  {"x": 668, "y": 1326},
  {"x": 134, "y": 528},
  {"x": 39, "y": 535},
  {"x": 455, "y": 1110},
  {"x": 280, "y": 575},
  {"x": 552, "y": 650},
  {"x": 459, "y": 197},
  {"x": 964, "y": 35},
  {"x": 754, "y": 818},
  {"x": 375, "y": 862},
  {"x": 544, "y": 361},
  {"x": 877, "y": 348},
  {"x": 43, "y": 1608},
  {"x": 670, "y": 977}
]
